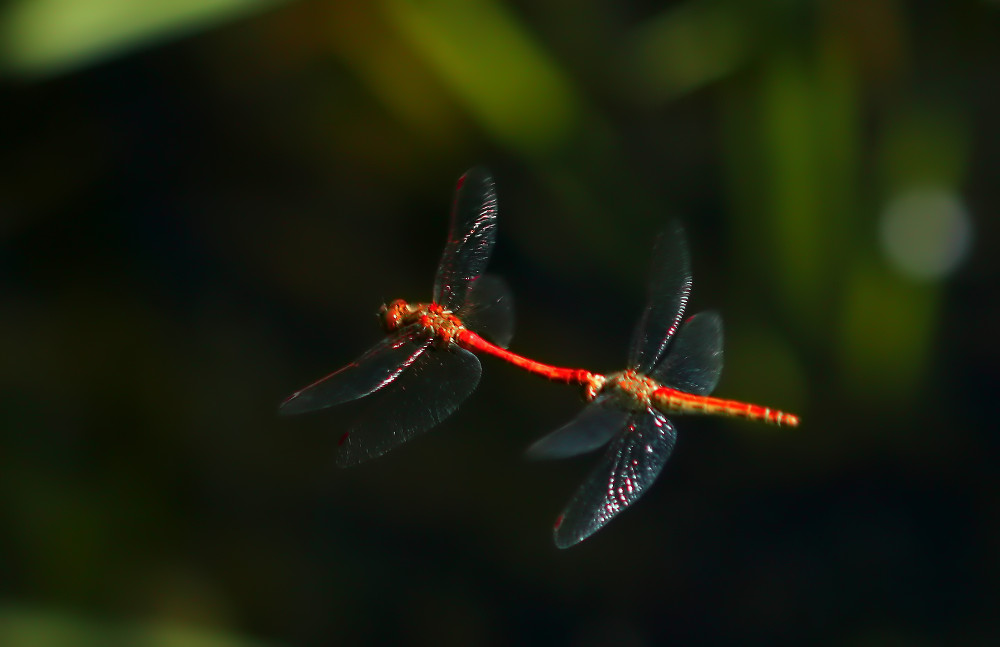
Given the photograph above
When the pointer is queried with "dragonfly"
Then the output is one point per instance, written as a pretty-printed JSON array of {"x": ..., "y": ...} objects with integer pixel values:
[
  {"x": 418, "y": 371},
  {"x": 426, "y": 366},
  {"x": 674, "y": 364}
]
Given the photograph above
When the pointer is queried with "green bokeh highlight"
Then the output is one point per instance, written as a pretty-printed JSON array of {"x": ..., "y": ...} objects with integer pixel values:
[{"x": 44, "y": 37}]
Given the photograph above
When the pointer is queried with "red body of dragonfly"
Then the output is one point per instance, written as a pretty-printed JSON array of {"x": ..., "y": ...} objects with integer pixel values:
[
  {"x": 419, "y": 374},
  {"x": 674, "y": 364}
]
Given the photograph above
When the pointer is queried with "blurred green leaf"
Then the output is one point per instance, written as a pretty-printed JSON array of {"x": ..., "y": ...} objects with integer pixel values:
[
  {"x": 924, "y": 147},
  {"x": 25, "y": 627},
  {"x": 886, "y": 328},
  {"x": 494, "y": 67},
  {"x": 687, "y": 47},
  {"x": 44, "y": 37}
]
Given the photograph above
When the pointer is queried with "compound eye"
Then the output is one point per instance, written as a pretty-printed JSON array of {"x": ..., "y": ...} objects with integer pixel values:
[{"x": 392, "y": 315}]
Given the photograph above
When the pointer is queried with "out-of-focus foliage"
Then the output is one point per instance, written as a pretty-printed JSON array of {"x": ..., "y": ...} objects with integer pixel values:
[
  {"x": 27, "y": 628},
  {"x": 526, "y": 103},
  {"x": 202, "y": 204},
  {"x": 41, "y": 37}
]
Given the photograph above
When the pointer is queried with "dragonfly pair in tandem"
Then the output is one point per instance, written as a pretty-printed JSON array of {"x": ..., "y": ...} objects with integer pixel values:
[{"x": 427, "y": 366}]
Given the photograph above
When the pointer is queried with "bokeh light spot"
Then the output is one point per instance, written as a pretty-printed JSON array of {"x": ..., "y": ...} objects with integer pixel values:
[{"x": 925, "y": 232}]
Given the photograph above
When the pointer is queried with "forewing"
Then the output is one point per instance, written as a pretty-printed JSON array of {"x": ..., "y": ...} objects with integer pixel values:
[
  {"x": 426, "y": 393},
  {"x": 591, "y": 429},
  {"x": 694, "y": 362},
  {"x": 669, "y": 289},
  {"x": 631, "y": 464},
  {"x": 489, "y": 310},
  {"x": 376, "y": 369},
  {"x": 471, "y": 235}
]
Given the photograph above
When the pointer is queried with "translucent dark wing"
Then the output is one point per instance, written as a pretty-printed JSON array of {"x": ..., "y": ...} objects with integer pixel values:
[
  {"x": 378, "y": 367},
  {"x": 490, "y": 310},
  {"x": 591, "y": 429},
  {"x": 669, "y": 288},
  {"x": 426, "y": 393},
  {"x": 694, "y": 362},
  {"x": 471, "y": 235},
  {"x": 631, "y": 464}
]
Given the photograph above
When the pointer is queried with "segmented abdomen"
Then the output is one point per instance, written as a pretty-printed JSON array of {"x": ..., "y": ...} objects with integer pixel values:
[{"x": 670, "y": 401}]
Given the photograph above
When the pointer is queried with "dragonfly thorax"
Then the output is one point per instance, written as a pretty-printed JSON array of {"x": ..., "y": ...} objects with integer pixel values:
[
  {"x": 441, "y": 323},
  {"x": 630, "y": 390},
  {"x": 438, "y": 322}
]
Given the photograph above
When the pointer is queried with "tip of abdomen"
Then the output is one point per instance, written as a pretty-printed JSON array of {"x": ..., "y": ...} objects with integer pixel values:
[{"x": 788, "y": 420}]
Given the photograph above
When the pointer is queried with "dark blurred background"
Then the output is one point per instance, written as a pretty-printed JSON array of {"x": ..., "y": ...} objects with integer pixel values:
[{"x": 202, "y": 205}]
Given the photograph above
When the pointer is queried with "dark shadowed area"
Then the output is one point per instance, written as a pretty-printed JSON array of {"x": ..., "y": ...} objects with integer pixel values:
[{"x": 204, "y": 204}]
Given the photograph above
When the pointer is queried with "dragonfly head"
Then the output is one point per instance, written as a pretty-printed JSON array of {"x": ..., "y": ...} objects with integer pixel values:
[
  {"x": 593, "y": 385},
  {"x": 393, "y": 314}
]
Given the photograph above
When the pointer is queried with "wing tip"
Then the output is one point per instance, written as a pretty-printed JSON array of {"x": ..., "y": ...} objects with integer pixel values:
[
  {"x": 477, "y": 174},
  {"x": 346, "y": 457},
  {"x": 551, "y": 447},
  {"x": 290, "y": 406},
  {"x": 564, "y": 539},
  {"x": 536, "y": 451}
]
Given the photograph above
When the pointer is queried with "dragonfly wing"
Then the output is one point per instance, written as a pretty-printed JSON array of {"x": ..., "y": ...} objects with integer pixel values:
[
  {"x": 694, "y": 362},
  {"x": 427, "y": 392},
  {"x": 631, "y": 464},
  {"x": 471, "y": 235},
  {"x": 377, "y": 368},
  {"x": 490, "y": 310},
  {"x": 591, "y": 429},
  {"x": 669, "y": 289}
]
